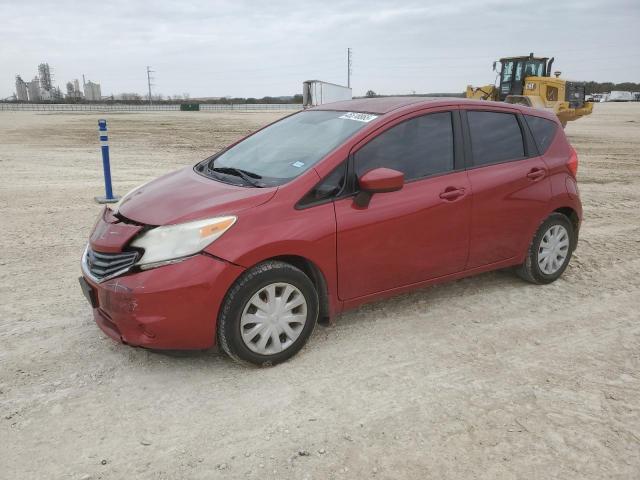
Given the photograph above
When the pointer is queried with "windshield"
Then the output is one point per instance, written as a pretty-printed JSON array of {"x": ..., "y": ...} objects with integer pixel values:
[{"x": 285, "y": 149}]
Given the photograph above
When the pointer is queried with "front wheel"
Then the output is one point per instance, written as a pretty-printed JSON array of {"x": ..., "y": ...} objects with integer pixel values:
[
  {"x": 268, "y": 314},
  {"x": 550, "y": 250}
]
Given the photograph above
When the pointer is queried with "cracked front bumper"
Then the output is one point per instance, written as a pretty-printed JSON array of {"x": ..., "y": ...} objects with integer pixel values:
[{"x": 170, "y": 307}]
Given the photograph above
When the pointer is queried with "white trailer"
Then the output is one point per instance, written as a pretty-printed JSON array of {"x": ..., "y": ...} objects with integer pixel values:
[
  {"x": 317, "y": 92},
  {"x": 620, "y": 96}
]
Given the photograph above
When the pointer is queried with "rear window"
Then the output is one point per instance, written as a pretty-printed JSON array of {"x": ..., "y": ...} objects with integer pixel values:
[
  {"x": 495, "y": 137},
  {"x": 543, "y": 131}
]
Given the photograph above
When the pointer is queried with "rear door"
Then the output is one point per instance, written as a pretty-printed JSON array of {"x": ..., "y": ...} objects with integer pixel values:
[
  {"x": 510, "y": 184},
  {"x": 414, "y": 234}
]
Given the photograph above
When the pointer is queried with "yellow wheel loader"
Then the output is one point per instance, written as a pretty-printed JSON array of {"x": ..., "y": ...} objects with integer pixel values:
[{"x": 528, "y": 81}]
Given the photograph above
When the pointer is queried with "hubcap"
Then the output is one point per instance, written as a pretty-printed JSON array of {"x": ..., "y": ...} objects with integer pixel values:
[
  {"x": 273, "y": 318},
  {"x": 553, "y": 250}
]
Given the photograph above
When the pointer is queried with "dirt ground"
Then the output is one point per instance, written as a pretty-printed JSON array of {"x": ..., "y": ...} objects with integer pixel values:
[{"x": 483, "y": 378}]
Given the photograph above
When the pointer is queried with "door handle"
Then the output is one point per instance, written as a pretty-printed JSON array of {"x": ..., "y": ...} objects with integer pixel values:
[
  {"x": 536, "y": 173},
  {"x": 452, "y": 193}
]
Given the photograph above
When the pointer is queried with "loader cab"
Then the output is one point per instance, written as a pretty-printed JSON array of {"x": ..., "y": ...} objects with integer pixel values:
[{"x": 515, "y": 69}]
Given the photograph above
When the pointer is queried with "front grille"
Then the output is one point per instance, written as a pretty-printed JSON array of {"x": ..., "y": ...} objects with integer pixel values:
[{"x": 102, "y": 265}]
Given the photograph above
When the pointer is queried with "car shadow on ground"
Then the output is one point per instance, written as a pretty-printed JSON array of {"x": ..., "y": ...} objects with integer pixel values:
[{"x": 349, "y": 323}]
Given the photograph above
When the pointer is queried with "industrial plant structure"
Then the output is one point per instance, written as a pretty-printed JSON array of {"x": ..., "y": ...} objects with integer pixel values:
[
  {"x": 73, "y": 90},
  {"x": 92, "y": 91},
  {"x": 41, "y": 88},
  {"x": 22, "y": 93},
  {"x": 45, "y": 77},
  {"x": 34, "y": 90}
]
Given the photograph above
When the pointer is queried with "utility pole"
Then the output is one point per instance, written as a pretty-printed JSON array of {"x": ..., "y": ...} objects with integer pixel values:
[
  {"x": 349, "y": 63},
  {"x": 149, "y": 78}
]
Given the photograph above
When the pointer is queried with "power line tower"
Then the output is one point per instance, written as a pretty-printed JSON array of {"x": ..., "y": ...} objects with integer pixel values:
[
  {"x": 149, "y": 78},
  {"x": 349, "y": 65}
]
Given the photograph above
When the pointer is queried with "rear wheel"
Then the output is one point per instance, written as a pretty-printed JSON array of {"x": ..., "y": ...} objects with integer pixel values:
[
  {"x": 268, "y": 314},
  {"x": 550, "y": 250}
]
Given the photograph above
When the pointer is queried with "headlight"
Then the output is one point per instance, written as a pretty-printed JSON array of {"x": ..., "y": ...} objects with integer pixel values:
[{"x": 171, "y": 242}]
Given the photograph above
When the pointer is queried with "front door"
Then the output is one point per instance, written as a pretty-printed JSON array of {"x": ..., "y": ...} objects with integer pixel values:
[{"x": 417, "y": 233}]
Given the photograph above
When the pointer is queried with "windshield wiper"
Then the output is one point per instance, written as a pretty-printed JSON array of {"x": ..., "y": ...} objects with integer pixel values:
[{"x": 248, "y": 177}]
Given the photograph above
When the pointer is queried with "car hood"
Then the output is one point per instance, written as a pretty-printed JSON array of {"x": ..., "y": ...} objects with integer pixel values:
[{"x": 185, "y": 195}]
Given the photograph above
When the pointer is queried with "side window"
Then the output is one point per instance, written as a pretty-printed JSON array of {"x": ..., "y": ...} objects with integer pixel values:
[
  {"x": 543, "y": 131},
  {"x": 418, "y": 148},
  {"x": 495, "y": 137},
  {"x": 327, "y": 188}
]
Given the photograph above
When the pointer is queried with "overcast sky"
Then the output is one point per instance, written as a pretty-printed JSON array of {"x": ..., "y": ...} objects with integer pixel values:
[{"x": 258, "y": 48}]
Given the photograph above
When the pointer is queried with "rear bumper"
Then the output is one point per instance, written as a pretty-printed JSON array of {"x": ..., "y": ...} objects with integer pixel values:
[{"x": 171, "y": 307}]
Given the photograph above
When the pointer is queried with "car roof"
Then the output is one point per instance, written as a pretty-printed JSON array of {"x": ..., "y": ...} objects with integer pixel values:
[
  {"x": 379, "y": 105},
  {"x": 384, "y": 105}
]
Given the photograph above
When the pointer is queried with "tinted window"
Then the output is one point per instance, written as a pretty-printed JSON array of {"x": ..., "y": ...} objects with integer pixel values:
[
  {"x": 418, "y": 147},
  {"x": 287, "y": 148},
  {"x": 327, "y": 188},
  {"x": 543, "y": 131},
  {"x": 495, "y": 137}
]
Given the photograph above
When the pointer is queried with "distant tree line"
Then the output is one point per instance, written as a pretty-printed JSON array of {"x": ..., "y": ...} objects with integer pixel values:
[
  {"x": 605, "y": 87},
  {"x": 250, "y": 100},
  {"x": 136, "y": 99},
  {"x": 372, "y": 94}
]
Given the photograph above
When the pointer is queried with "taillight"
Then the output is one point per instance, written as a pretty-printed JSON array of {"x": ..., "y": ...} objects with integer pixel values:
[{"x": 573, "y": 163}]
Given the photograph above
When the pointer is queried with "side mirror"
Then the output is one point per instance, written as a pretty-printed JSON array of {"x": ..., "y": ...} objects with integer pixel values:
[
  {"x": 494, "y": 66},
  {"x": 378, "y": 180}
]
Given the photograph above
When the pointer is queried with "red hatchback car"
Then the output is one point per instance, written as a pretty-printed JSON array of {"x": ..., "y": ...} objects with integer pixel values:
[{"x": 326, "y": 209}]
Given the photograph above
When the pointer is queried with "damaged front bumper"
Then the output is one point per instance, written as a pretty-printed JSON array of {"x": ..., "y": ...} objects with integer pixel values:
[{"x": 170, "y": 307}]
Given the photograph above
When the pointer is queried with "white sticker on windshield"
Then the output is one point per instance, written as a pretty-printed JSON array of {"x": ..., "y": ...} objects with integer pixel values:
[
  {"x": 359, "y": 117},
  {"x": 298, "y": 164}
]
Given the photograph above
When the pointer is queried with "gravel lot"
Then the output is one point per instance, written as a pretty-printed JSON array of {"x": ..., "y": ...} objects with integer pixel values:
[{"x": 483, "y": 378}]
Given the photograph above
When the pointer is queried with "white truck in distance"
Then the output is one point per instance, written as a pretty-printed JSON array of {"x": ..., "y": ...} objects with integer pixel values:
[{"x": 317, "y": 92}]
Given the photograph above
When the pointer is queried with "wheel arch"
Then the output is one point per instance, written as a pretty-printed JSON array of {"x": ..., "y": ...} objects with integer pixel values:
[
  {"x": 316, "y": 276},
  {"x": 574, "y": 218},
  {"x": 562, "y": 206}
]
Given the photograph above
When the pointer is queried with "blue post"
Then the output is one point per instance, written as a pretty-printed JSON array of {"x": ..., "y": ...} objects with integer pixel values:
[{"x": 104, "y": 145}]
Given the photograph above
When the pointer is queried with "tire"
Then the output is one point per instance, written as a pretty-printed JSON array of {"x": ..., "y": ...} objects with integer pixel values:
[
  {"x": 531, "y": 270},
  {"x": 266, "y": 285}
]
